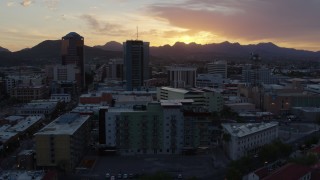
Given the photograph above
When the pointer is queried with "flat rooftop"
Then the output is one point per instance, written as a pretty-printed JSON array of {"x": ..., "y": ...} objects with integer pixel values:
[
  {"x": 40, "y": 105},
  {"x": 308, "y": 109},
  {"x": 6, "y": 135},
  {"x": 175, "y": 89},
  {"x": 22, "y": 175},
  {"x": 132, "y": 98},
  {"x": 88, "y": 108},
  {"x": 14, "y": 118},
  {"x": 244, "y": 129},
  {"x": 66, "y": 124},
  {"x": 24, "y": 124},
  {"x": 121, "y": 109}
]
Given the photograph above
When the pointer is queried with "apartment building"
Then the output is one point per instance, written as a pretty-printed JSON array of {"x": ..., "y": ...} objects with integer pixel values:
[
  {"x": 153, "y": 129},
  {"x": 63, "y": 142}
]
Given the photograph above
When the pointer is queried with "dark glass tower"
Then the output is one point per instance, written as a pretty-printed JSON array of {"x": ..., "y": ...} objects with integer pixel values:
[
  {"x": 72, "y": 53},
  {"x": 136, "y": 64}
]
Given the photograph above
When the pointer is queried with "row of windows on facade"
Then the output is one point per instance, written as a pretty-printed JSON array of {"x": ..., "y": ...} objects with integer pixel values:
[
  {"x": 35, "y": 112},
  {"x": 265, "y": 133},
  {"x": 155, "y": 151},
  {"x": 167, "y": 124},
  {"x": 254, "y": 143}
]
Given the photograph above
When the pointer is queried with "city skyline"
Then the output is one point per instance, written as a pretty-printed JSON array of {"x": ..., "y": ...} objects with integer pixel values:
[{"x": 288, "y": 23}]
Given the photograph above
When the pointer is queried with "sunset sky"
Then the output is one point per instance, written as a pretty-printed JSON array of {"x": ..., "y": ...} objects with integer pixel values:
[{"x": 288, "y": 23}]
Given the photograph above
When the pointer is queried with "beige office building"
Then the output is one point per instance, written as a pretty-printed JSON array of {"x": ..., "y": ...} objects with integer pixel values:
[{"x": 63, "y": 142}]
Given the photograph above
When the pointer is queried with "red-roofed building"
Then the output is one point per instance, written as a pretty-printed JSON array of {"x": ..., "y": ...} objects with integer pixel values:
[
  {"x": 291, "y": 172},
  {"x": 50, "y": 175},
  {"x": 258, "y": 174},
  {"x": 315, "y": 175},
  {"x": 96, "y": 98},
  {"x": 316, "y": 150},
  {"x": 287, "y": 172}
]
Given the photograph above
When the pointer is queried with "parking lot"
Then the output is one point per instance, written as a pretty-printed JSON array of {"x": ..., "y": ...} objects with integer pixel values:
[{"x": 200, "y": 166}]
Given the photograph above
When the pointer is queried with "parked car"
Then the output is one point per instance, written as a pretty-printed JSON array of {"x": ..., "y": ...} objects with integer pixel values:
[
  {"x": 131, "y": 176},
  {"x": 119, "y": 176},
  {"x": 125, "y": 176},
  {"x": 108, "y": 175}
]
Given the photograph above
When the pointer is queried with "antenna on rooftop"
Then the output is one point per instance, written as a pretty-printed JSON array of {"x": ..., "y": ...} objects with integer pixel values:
[{"x": 137, "y": 33}]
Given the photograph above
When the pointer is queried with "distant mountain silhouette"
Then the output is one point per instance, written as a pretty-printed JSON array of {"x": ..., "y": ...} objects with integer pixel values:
[
  {"x": 111, "y": 46},
  {"x": 227, "y": 50},
  {"x": 2, "y": 49},
  {"x": 48, "y": 52}
]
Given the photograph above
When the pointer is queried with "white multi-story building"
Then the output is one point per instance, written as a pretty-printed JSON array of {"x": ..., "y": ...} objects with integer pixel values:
[
  {"x": 218, "y": 67},
  {"x": 211, "y": 80},
  {"x": 65, "y": 72},
  {"x": 181, "y": 77},
  {"x": 247, "y": 138},
  {"x": 115, "y": 69},
  {"x": 61, "y": 97},
  {"x": 207, "y": 98},
  {"x": 261, "y": 75}
]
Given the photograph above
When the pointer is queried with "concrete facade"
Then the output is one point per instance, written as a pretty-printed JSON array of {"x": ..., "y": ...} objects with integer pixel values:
[
  {"x": 247, "y": 138},
  {"x": 63, "y": 142}
]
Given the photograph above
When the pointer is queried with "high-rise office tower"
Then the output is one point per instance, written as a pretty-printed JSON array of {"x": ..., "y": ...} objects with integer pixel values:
[
  {"x": 72, "y": 47},
  {"x": 115, "y": 69},
  {"x": 136, "y": 64},
  {"x": 182, "y": 77}
]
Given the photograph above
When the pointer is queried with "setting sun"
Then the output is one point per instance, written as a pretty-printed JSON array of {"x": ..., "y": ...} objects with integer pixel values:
[{"x": 186, "y": 39}]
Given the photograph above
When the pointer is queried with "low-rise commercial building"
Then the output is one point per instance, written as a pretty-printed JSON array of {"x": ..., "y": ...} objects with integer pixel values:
[
  {"x": 38, "y": 108},
  {"x": 30, "y": 92},
  {"x": 10, "y": 134},
  {"x": 61, "y": 97},
  {"x": 248, "y": 138},
  {"x": 209, "y": 99}
]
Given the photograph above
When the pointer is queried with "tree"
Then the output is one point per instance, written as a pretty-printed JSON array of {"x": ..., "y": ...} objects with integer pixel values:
[
  {"x": 226, "y": 137},
  {"x": 309, "y": 159},
  {"x": 234, "y": 174}
]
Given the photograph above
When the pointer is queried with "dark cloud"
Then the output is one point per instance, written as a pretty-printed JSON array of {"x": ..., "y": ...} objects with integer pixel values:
[
  {"x": 252, "y": 20},
  {"x": 103, "y": 28}
]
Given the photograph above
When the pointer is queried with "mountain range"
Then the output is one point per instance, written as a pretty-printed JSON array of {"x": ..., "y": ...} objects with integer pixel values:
[
  {"x": 48, "y": 52},
  {"x": 3, "y": 49},
  {"x": 111, "y": 46}
]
